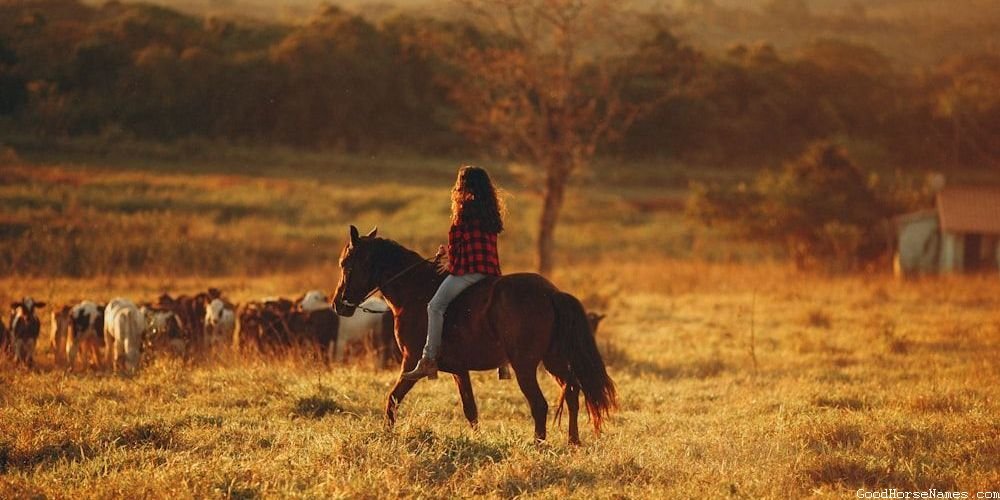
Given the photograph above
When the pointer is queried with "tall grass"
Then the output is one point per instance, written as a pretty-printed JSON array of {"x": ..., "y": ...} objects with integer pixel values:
[
  {"x": 735, "y": 379},
  {"x": 829, "y": 407}
]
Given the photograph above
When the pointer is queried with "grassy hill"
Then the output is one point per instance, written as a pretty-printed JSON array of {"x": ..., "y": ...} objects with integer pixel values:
[{"x": 240, "y": 211}]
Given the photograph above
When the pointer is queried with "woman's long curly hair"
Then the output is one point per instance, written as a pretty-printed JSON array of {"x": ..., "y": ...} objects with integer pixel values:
[{"x": 475, "y": 198}]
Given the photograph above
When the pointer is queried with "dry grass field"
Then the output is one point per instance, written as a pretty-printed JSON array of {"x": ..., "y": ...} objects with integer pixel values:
[{"x": 745, "y": 380}]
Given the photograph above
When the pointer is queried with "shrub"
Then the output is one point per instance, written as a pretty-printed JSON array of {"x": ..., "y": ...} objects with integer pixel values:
[{"x": 821, "y": 207}]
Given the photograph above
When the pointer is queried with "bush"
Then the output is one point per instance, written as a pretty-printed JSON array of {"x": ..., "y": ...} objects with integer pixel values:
[{"x": 821, "y": 207}]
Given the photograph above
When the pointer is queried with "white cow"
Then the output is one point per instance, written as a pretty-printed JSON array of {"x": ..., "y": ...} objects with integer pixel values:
[
  {"x": 123, "y": 328},
  {"x": 314, "y": 300},
  {"x": 220, "y": 323},
  {"x": 86, "y": 326},
  {"x": 366, "y": 323}
]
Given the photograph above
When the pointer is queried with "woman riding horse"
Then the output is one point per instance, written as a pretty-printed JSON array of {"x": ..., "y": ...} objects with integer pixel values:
[{"x": 521, "y": 319}]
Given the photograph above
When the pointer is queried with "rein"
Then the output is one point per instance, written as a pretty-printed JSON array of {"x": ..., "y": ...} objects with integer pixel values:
[{"x": 386, "y": 282}]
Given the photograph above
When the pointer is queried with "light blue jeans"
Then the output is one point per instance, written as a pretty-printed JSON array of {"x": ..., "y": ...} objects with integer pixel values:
[{"x": 449, "y": 289}]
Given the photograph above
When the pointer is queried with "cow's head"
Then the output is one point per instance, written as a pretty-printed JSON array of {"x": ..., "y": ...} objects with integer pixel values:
[
  {"x": 213, "y": 312},
  {"x": 165, "y": 300},
  {"x": 26, "y": 307},
  {"x": 594, "y": 319},
  {"x": 23, "y": 313},
  {"x": 249, "y": 317},
  {"x": 357, "y": 272}
]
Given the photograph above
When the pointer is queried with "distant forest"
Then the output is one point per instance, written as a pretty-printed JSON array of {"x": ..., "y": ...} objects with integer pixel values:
[{"x": 338, "y": 79}]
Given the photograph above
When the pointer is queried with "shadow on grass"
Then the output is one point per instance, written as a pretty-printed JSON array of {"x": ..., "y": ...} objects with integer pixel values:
[
  {"x": 65, "y": 450},
  {"x": 155, "y": 434},
  {"x": 617, "y": 359},
  {"x": 236, "y": 490},
  {"x": 540, "y": 476},
  {"x": 440, "y": 457},
  {"x": 866, "y": 472},
  {"x": 316, "y": 407},
  {"x": 841, "y": 402}
]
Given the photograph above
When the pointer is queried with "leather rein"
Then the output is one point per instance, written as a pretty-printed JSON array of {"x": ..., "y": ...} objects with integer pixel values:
[{"x": 378, "y": 288}]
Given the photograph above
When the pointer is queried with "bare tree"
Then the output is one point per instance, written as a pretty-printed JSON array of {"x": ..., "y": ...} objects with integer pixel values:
[{"x": 547, "y": 88}]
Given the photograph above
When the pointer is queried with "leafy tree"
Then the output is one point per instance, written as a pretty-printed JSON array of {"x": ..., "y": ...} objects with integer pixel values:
[
  {"x": 13, "y": 89},
  {"x": 966, "y": 100},
  {"x": 337, "y": 69},
  {"x": 543, "y": 82},
  {"x": 821, "y": 207}
]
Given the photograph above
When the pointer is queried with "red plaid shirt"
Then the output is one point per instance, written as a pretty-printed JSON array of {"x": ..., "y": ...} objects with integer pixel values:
[{"x": 472, "y": 250}]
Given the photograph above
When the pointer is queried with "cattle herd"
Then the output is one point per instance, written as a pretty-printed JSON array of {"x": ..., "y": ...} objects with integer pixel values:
[{"x": 119, "y": 334}]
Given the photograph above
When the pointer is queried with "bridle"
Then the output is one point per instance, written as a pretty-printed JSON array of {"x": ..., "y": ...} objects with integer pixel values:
[{"x": 378, "y": 288}]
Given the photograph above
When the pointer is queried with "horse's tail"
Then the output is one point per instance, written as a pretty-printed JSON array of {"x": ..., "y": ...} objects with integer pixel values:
[{"x": 586, "y": 368}]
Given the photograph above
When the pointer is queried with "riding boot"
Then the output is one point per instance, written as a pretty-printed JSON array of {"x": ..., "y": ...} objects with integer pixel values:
[
  {"x": 426, "y": 367},
  {"x": 503, "y": 373}
]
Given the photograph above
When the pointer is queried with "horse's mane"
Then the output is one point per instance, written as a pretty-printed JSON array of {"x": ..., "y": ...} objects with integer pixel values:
[{"x": 390, "y": 250}]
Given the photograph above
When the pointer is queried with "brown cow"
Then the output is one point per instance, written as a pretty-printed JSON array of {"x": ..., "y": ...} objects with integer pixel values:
[
  {"x": 594, "y": 319},
  {"x": 277, "y": 324},
  {"x": 4, "y": 338},
  {"x": 59, "y": 328},
  {"x": 190, "y": 310},
  {"x": 261, "y": 326}
]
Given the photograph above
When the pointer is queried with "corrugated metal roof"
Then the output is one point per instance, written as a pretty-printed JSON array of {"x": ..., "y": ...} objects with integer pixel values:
[{"x": 970, "y": 209}]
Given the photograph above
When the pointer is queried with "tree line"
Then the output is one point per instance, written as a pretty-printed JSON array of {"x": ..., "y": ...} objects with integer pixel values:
[{"x": 408, "y": 82}]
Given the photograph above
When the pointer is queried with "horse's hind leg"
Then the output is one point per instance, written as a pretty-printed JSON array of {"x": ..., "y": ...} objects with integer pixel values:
[
  {"x": 571, "y": 394},
  {"x": 526, "y": 379},
  {"x": 559, "y": 369},
  {"x": 464, "y": 384}
]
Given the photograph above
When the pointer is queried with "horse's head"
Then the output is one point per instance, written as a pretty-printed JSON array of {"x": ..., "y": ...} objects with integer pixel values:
[{"x": 357, "y": 272}]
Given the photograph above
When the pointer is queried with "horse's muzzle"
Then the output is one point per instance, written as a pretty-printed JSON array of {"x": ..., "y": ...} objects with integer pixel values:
[{"x": 344, "y": 308}]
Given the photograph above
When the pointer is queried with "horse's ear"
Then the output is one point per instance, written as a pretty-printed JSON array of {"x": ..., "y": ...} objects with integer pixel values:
[
  {"x": 354, "y": 234},
  {"x": 371, "y": 234}
]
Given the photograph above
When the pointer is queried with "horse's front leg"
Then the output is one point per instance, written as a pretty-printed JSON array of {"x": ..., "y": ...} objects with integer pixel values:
[
  {"x": 464, "y": 384},
  {"x": 399, "y": 390}
]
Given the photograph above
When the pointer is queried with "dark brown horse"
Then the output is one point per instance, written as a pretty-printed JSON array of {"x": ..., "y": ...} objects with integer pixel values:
[{"x": 520, "y": 318}]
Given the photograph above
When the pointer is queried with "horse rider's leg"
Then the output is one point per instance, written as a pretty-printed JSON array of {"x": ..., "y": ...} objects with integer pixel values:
[
  {"x": 525, "y": 372},
  {"x": 464, "y": 384},
  {"x": 450, "y": 288},
  {"x": 399, "y": 390}
]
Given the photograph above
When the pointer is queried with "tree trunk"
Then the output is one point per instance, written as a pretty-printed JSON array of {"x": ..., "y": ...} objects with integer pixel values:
[{"x": 555, "y": 188}]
